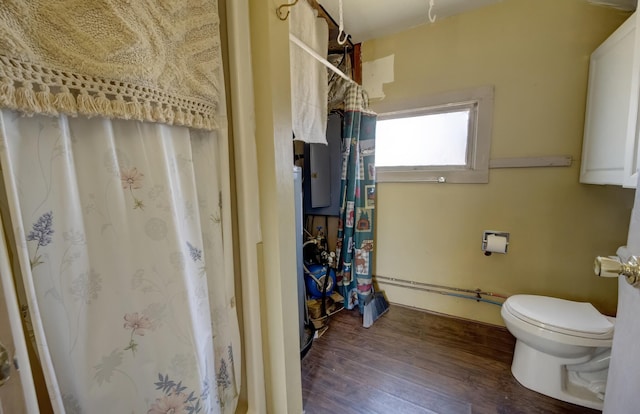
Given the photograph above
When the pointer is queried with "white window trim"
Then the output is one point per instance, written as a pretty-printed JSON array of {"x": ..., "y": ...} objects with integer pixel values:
[{"x": 478, "y": 148}]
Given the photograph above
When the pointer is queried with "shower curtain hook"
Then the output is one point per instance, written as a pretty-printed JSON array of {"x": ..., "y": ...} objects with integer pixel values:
[{"x": 279, "y": 10}]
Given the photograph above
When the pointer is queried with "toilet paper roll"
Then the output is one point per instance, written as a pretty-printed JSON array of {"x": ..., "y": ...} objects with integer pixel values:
[{"x": 496, "y": 244}]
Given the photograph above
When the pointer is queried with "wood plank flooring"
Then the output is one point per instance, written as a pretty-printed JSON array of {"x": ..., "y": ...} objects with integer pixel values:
[{"x": 410, "y": 362}]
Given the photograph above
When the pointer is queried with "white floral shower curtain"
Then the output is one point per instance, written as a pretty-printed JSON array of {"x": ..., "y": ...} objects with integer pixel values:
[{"x": 118, "y": 228}]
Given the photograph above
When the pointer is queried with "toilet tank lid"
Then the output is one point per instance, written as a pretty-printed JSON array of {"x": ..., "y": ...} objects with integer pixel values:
[{"x": 580, "y": 317}]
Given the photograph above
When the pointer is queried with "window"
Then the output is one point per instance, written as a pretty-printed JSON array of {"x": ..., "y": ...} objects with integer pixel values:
[{"x": 445, "y": 138}]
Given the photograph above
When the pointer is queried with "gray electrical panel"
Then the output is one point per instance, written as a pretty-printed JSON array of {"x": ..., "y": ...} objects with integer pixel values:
[{"x": 322, "y": 172}]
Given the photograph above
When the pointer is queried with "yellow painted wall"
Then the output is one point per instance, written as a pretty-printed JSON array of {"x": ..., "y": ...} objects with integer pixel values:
[
  {"x": 536, "y": 54},
  {"x": 276, "y": 252}
]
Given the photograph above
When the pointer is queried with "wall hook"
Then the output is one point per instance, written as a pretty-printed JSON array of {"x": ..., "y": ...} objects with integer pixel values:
[
  {"x": 341, "y": 27},
  {"x": 342, "y": 41},
  {"x": 286, "y": 5},
  {"x": 432, "y": 17}
]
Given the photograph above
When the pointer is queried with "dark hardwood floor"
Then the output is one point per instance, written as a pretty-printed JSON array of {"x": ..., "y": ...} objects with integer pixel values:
[{"x": 411, "y": 361}]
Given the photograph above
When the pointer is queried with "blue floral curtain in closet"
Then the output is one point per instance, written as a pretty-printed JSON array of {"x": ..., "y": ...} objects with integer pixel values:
[{"x": 358, "y": 193}]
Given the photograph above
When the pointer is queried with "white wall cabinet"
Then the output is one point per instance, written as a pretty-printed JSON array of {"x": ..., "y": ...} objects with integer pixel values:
[{"x": 610, "y": 146}]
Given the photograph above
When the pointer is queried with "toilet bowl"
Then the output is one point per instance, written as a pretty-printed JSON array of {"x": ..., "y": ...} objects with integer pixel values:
[{"x": 562, "y": 347}]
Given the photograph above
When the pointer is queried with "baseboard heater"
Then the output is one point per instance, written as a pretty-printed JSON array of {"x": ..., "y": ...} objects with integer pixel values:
[{"x": 478, "y": 294}]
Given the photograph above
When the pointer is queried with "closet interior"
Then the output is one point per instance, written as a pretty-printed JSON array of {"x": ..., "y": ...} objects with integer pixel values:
[{"x": 318, "y": 167}]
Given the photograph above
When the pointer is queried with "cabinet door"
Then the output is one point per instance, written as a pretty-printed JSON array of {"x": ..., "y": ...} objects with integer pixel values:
[
  {"x": 632, "y": 147},
  {"x": 609, "y": 100}
]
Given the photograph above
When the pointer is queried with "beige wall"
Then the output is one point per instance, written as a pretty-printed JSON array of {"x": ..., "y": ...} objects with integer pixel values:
[
  {"x": 273, "y": 181},
  {"x": 535, "y": 53}
]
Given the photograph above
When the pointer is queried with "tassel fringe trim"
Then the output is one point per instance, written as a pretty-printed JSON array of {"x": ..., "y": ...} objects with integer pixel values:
[{"x": 60, "y": 92}]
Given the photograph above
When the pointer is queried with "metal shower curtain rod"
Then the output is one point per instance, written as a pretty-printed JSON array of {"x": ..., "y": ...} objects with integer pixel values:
[{"x": 319, "y": 58}]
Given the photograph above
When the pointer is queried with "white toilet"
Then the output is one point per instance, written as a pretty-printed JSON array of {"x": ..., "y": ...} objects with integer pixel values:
[{"x": 562, "y": 347}]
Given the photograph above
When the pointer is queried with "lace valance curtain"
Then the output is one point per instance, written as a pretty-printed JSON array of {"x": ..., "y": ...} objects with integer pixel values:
[{"x": 157, "y": 61}]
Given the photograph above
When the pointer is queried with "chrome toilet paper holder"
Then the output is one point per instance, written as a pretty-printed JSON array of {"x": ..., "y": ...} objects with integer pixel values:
[{"x": 485, "y": 240}]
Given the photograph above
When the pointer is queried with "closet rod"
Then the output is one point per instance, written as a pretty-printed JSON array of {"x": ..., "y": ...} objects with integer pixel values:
[{"x": 319, "y": 58}]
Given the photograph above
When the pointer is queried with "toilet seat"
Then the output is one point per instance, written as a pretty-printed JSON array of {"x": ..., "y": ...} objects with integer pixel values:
[{"x": 559, "y": 315}]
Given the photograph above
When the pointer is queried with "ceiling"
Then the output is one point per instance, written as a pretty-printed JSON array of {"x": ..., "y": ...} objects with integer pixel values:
[{"x": 371, "y": 19}]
